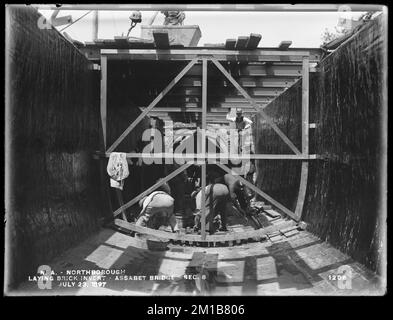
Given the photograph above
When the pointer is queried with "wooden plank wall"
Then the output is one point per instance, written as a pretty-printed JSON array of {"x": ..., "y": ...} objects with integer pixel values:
[{"x": 343, "y": 193}]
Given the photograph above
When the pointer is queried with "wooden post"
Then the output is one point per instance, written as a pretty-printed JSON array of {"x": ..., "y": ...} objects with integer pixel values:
[
  {"x": 305, "y": 105},
  {"x": 104, "y": 71},
  {"x": 305, "y": 138},
  {"x": 103, "y": 112},
  {"x": 120, "y": 199},
  {"x": 95, "y": 25},
  {"x": 203, "y": 171}
]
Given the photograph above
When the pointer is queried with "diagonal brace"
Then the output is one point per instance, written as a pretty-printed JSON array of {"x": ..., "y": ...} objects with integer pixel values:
[
  {"x": 256, "y": 106},
  {"x": 261, "y": 193},
  {"x": 153, "y": 104},
  {"x": 152, "y": 188}
]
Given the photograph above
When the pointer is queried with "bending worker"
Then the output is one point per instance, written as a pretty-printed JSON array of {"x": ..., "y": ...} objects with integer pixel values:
[
  {"x": 236, "y": 191},
  {"x": 217, "y": 196},
  {"x": 157, "y": 210}
]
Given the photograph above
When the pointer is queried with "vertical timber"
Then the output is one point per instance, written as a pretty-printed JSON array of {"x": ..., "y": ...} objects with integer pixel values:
[
  {"x": 103, "y": 101},
  {"x": 203, "y": 171},
  {"x": 305, "y": 137}
]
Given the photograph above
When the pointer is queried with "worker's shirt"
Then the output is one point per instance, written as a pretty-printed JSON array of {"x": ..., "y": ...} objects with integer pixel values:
[
  {"x": 244, "y": 123},
  {"x": 219, "y": 191},
  {"x": 158, "y": 200},
  {"x": 232, "y": 183}
]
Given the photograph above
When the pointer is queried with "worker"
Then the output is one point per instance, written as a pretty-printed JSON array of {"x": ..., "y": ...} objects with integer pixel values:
[
  {"x": 217, "y": 196},
  {"x": 157, "y": 210},
  {"x": 174, "y": 18},
  {"x": 240, "y": 121},
  {"x": 236, "y": 191}
]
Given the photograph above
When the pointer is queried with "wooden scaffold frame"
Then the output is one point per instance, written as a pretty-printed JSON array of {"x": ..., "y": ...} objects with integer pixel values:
[{"x": 206, "y": 56}]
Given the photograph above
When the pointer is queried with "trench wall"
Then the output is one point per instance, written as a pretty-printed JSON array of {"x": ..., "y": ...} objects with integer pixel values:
[
  {"x": 52, "y": 128},
  {"x": 343, "y": 199}
]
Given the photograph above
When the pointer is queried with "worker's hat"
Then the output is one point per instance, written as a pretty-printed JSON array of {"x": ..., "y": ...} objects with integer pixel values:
[{"x": 239, "y": 111}]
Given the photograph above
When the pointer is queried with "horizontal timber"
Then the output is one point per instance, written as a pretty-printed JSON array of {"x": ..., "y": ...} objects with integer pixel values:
[
  {"x": 221, "y": 55},
  {"x": 217, "y": 156},
  {"x": 213, "y": 7},
  {"x": 196, "y": 238}
]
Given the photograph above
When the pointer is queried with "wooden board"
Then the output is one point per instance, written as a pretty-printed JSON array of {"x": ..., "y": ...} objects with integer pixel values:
[
  {"x": 121, "y": 40},
  {"x": 215, "y": 45},
  {"x": 291, "y": 233},
  {"x": 284, "y": 45},
  {"x": 230, "y": 44},
  {"x": 241, "y": 43},
  {"x": 272, "y": 213},
  {"x": 161, "y": 39},
  {"x": 253, "y": 41}
]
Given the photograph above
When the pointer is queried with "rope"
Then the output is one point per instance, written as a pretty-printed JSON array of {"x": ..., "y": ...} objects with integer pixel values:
[{"x": 75, "y": 21}]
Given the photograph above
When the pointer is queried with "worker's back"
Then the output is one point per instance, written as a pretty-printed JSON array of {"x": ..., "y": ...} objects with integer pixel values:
[{"x": 213, "y": 193}]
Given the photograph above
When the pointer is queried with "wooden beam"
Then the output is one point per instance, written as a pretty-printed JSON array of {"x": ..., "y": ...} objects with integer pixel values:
[
  {"x": 103, "y": 96},
  {"x": 203, "y": 171},
  {"x": 257, "y": 107},
  {"x": 161, "y": 39},
  {"x": 271, "y": 55},
  {"x": 230, "y": 44},
  {"x": 241, "y": 43},
  {"x": 172, "y": 109},
  {"x": 211, "y": 112},
  {"x": 248, "y": 82},
  {"x": 152, "y": 188},
  {"x": 284, "y": 45},
  {"x": 233, "y": 236},
  {"x": 152, "y": 104},
  {"x": 213, "y": 7},
  {"x": 122, "y": 41},
  {"x": 179, "y": 101},
  {"x": 95, "y": 25},
  {"x": 305, "y": 105},
  {"x": 302, "y": 191},
  {"x": 119, "y": 196},
  {"x": 219, "y": 92},
  {"x": 218, "y": 156},
  {"x": 260, "y": 192},
  {"x": 253, "y": 41},
  {"x": 305, "y": 138},
  {"x": 244, "y": 105},
  {"x": 289, "y": 70}
]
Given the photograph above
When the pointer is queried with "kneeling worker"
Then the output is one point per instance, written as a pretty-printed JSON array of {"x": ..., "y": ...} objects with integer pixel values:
[
  {"x": 157, "y": 210},
  {"x": 217, "y": 196}
]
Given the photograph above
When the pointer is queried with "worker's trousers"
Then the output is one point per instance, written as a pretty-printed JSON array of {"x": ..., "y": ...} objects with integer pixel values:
[{"x": 159, "y": 212}]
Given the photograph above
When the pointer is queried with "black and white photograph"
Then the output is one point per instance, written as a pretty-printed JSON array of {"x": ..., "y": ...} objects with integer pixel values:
[{"x": 196, "y": 150}]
